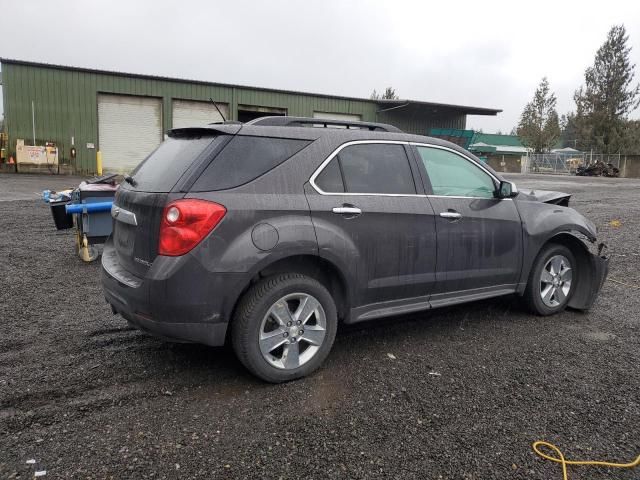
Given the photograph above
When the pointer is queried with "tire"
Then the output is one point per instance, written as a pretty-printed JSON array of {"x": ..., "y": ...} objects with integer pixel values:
[
  {"x": 261, "y": 322},
  {"x": 549, "y": 293}
]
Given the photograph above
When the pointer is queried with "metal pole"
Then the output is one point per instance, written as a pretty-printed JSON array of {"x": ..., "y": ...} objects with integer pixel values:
[{"x": 33, "y": 122}]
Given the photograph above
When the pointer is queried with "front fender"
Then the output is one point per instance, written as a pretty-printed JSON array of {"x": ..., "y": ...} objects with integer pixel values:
[{"x": 543, "y": 223}]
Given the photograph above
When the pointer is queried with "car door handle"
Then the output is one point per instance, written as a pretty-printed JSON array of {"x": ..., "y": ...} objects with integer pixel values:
[
  {"x": 451, "y": 215},
  {"x": 347, "y": 210}
]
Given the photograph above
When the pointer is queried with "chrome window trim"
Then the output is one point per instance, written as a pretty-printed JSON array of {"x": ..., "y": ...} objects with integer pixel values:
[
  {"x": 468, "y": 159},
  {"x": 318, "y": 171},
  {"x": 471, "y": 198}
]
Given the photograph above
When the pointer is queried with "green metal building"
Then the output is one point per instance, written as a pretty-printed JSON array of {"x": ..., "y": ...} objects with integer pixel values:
[{"x": 126, "y": 115}]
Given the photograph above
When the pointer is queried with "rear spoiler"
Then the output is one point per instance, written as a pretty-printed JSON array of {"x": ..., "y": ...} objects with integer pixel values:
[{"x": 226, "y": 128}]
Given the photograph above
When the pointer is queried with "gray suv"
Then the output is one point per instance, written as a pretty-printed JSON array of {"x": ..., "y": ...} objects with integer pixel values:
[{"x": 269, "y": 234}]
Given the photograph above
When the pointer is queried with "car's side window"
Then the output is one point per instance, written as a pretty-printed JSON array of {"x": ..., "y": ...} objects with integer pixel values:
[
  {"x": 374, "y": 168},
  {"x": 244, "y": 159},
  {"x": 452, "y": 175}
]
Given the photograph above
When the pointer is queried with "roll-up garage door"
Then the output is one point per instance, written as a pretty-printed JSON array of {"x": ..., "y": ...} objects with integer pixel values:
[
  {"x": 129, "y": 129},
  {"x": 189, "y": 113}
]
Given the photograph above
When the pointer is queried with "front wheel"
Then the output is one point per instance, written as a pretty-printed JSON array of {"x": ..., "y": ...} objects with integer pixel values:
[
  {"x": 551, "y": 281},
  {"x": 284, "y": 327}
]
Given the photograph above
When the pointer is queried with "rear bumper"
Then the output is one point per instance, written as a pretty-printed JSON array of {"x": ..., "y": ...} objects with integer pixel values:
[
  {"x": 177, "y": 299},
  {"x": 206, "y": 333}
]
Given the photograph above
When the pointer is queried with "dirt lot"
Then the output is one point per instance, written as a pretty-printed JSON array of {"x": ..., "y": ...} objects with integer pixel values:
[{"x": 463, "y": 394}]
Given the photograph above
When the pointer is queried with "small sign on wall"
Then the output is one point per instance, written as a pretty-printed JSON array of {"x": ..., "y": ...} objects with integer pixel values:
[{"x": 91, "y": 146}]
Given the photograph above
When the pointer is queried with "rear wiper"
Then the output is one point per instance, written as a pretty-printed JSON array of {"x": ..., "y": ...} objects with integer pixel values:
[{"x": 130, "y": 180}]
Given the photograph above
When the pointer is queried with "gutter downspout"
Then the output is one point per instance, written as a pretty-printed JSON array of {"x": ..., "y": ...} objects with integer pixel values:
[
  {"x": 391, "y": 108},
  {"x": 33, "y": 122}
]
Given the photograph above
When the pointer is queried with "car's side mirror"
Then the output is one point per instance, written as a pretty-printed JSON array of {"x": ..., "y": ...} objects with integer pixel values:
[{"x": 507, "y": 190}]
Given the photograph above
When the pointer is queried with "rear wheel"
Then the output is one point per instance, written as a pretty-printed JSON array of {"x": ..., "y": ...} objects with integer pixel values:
[
  {"x": 284, "y": 327},
  {"x": 551, "y": 280}
]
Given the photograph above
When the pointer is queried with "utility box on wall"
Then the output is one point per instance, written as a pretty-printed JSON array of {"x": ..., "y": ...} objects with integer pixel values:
[{"x": 33, "y": 157}]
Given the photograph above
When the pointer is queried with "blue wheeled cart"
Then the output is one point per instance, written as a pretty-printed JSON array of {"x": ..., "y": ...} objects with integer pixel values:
[
  {"x": 88, "y": 210},
  {"x": 91, "y": 209}
]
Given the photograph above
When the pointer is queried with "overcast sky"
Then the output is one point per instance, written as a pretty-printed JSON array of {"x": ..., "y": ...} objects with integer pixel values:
[{"x": 489, "y": 53}]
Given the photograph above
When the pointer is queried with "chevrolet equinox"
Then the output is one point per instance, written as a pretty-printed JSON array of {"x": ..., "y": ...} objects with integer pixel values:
[{"x": 268, "y": 234}]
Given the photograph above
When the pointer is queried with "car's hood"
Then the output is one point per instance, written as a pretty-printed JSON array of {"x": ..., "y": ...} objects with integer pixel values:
[{"x": 546, "y": 196}]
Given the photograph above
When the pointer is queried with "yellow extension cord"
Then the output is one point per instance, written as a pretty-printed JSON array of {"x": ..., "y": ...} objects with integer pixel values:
[
  {"x": 564, "y": 462},
  {"x": 561, "y": 459},
  {"x": 637, "y": 287}
]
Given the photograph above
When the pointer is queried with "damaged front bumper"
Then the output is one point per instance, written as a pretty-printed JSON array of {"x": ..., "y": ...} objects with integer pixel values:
[{"x": 591, "y": 279}]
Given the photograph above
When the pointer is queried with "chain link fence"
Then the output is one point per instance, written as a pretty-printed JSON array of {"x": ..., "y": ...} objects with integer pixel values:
[{"x": 565, "y": 163}]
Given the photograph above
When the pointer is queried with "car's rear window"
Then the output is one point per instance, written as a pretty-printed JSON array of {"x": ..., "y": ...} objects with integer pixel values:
[
  {"x": 244, "y": 159},
  {"x": 162, "y": 169}
]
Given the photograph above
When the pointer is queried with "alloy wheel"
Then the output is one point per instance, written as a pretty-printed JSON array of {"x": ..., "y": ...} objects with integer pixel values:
[
  {"x": 292, "y": 331},
  {"x": 555, "y": 281}
]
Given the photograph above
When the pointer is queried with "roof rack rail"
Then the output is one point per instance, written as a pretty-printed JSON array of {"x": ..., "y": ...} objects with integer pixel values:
[{"x": 283, "y": 121}]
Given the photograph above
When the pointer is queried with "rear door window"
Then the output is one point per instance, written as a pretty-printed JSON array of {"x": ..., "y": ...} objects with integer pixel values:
[
  {"x": 373, "y": 168},
  {"x": 162, "y": 169},
  {"x": 330, "y": 178},
  {"x": 244, "y": 159}
]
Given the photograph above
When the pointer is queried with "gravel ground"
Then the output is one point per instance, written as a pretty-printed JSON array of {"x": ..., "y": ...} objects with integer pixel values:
[{"x": 459, "y": 393}]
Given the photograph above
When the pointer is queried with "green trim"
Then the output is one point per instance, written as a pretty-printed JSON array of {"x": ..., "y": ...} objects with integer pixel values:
[{"x": 495, "y": 139}]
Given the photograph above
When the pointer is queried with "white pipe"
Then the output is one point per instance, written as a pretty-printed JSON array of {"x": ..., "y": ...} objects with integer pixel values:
[{"x": 33, "y": 122}]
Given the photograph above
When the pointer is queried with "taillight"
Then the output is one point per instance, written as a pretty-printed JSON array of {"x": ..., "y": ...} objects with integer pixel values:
[{"x": 185, "y": 223}]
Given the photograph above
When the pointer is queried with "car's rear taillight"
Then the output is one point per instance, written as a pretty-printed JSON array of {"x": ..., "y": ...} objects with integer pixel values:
[{"x": 185, "y": 223}]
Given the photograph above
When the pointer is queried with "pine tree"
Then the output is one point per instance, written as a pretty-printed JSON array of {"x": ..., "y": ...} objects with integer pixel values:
[
  {"x": 568, "y": 131},
  {"x": 608, "y": 96},
  {"x": 631, "y": 136},
  {"x": 539, "y": 128}
]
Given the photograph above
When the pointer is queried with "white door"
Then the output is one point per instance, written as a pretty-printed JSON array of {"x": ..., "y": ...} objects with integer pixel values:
[
  {"x": 189, "y": 113},
  {"x": 129, "y": 129},
  {"x": 336, "y": 116}
]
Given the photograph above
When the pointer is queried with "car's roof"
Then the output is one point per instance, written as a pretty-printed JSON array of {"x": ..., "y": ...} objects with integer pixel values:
[
  {"x": 336, "y": 135},
  {"x": 286, "y": 121},
  {"x": 310, "y": 133}
]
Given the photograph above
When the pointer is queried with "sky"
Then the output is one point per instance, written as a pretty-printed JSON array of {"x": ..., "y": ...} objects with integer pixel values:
[{"x": 488, "y": 54}]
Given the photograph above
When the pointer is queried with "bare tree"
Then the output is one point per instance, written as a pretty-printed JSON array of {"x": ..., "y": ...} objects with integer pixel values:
[{"x": 389, "y": 94}]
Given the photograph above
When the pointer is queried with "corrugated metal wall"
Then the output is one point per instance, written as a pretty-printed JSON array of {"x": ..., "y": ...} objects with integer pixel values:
[
  {"x": 65, "y": 103},
  {"x": 420, "y": 119}
]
